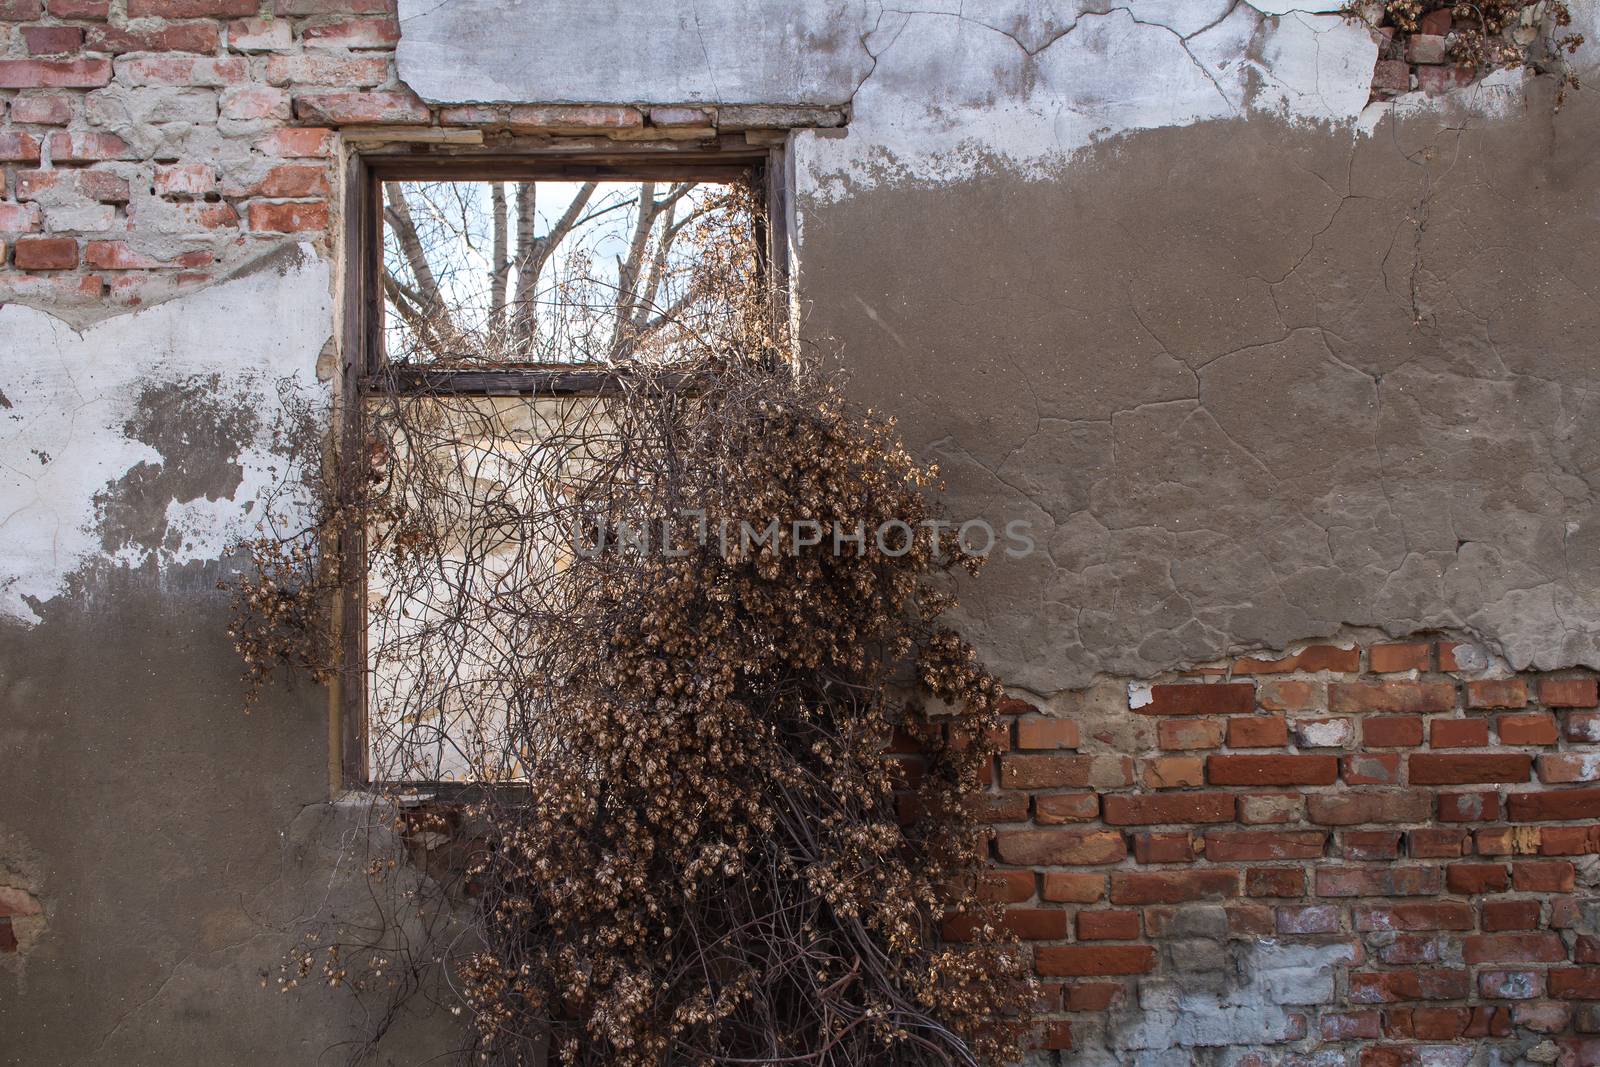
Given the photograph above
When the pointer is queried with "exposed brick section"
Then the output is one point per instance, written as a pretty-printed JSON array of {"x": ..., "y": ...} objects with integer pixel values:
[
  {"x": 1311, "y": 659},
  {"x": 1438, "y": 769},
  {"x": 1272, "y": 770},
  {"x": 1424, "y": 830},
  {"x": 1232, "y": 698},
  {"x": 1569, "y": 692},
  {"x": 210, "y": 128},
  {"x": 1391, "y": 696}
]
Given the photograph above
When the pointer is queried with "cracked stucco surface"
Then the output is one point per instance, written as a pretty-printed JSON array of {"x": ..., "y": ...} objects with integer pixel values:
[{"x": 1249, "y": 385}]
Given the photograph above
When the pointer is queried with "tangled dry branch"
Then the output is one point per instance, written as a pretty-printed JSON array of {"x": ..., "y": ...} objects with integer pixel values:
[{"x": 722, "y": 776}]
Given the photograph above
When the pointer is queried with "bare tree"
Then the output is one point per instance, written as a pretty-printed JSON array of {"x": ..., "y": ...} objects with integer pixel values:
[{"x": 476, "y": 267}]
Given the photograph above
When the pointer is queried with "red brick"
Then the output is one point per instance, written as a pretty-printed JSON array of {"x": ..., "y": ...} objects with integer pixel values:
[
  {"x": 1029, "y": 924},
  {"x": 1511, "y": 985},
  {"x": 288, "y": 218},
  {"x": 1223, "y": 698},
  {"x": 303, "y": 180},
  {"x": 1108, "y": 926},
  {"x": 1165, "y": 847},
  {"x": 1032, "y": 731},
  {"x": 1429, "y": 1024},
  {"x": 1063, "y": 848},
  {"x": 1229, "y": 847},
  {"x": 1444, "y": 915},
  {"x": 1275, "y": 882},
  {"x": 304, "y": 143},
  {"x": 1385, "y": 881},
  {"x": 1073, "y": 888},
  {"x": 191, "y": 9},
  {"x": 1388, "y": 987},
  {"x": 1353, "y": 809},
  {"x": 1370, "y": 768},
  {"x": 1288, "y": 695},
  {"x": 45, "y": 253},
  {"x": 175, "y": 69},
  {"x": 1245, "y": 920},
  {"x": 353, "y": 33},
  {"x": 24, "y": 218},
  {"x": 1311, "y": 658},
  {"x": 1050, "y": 809},
  {"x": 1046, "y": 772},
  {"x": 86, "y": 147},
  {"x": 185, "y": 180},
  {"x": 1543, "y": 876},
  {"x": 1406, "y": 656},
  {"x": 332, "y": 7},
  {"x": 1534, "y": 728},
  {"x": 1172, "y": 887},
  {"x": 52, "y": 40},
  {"x": 1074, "y": 960},
  {"x": 1458, "y": 733},
  {"x": 1409, "y": 950},
  {"x": 1093, "y": 996},
  {"x": 1570, "y": 767},
  {"x": 1272, "y": 770},
  {"x": 1501, "y": 915},
  {"x": 118, "y": 255},
  {"x": 1579, "y": 983},
  {"x": 1306, "y": 919},
  {"x": 1542, "y": 947},
  {"x": 1440, "y": 769},
  {"x": 339, "y": 109},
  {"x": 1569, "y": 693},
  {"x": 199, "y": 37},
  {"x": 355, "y": 72},
  {"x": 1569, "y": 840},
  {"x": 54, "y": 73},
  {"x": 249, "y": 103},
  {"x": 1054, "y": 1035},
  {"x": 1370, "y": 844},
  {"x": 1437, "y": 843},
  {"x": 1473, "y": 878},
  {"x": 1583, "y": 726},
  {"x": 1008, "y": 887},
  {"x": 1391, "y": 696},
  {"x": 41, "y": 111},
  {"x": 1271, "y": 809},
  {"x": 1173, "y": 772},
  {"x": 1555, "y": 805},
  {"x": 1497, "y": 693},
  {"x": 1258, "y": 731},
  {"x": 1391, "y": 731},
  {"x": 1175, "y": 808},
  {"x": 1189, "y": 734},
  {"x": 1469, "y": 807},
  {"x": 80, "y": 9}
]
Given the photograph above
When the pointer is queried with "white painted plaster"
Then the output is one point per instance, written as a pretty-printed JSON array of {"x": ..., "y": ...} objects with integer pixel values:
[{"x": 71, "y": 391}]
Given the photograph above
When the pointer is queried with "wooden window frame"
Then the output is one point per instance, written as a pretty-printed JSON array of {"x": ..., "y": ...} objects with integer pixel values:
[{"x": 726, "y": 158}]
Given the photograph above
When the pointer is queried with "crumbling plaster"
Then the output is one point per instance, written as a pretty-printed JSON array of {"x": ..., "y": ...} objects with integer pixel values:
[
  {"x": 158, "y": 436},
  {"x": 1259, "y": 360}
]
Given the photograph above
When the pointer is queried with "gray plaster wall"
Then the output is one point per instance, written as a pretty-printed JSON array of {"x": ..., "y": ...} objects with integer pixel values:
[{"x": 1258, "y": 361}]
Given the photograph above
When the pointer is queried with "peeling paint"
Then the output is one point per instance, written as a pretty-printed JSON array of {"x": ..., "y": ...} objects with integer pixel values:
[{"x": 158, "y": 426}]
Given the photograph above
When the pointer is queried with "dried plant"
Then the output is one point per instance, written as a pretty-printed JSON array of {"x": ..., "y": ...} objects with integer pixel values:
[
  {"x": 722, "y": 770},
  {"x": 1486, "y": 35}
]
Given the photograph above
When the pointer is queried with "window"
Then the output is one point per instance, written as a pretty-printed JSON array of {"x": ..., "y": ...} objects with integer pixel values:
[{"x": 501, "y": 298}]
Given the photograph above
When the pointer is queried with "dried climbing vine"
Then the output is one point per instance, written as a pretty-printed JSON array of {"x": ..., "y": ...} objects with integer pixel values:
[
  {"x": 720, "y": 793},
  {"x": 1482, "y": 36}
]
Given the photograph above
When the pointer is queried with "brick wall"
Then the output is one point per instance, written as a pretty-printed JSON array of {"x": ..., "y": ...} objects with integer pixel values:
[
  {"x": 150, "y": 146},
  {"x": 1375, "y": 856}
]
